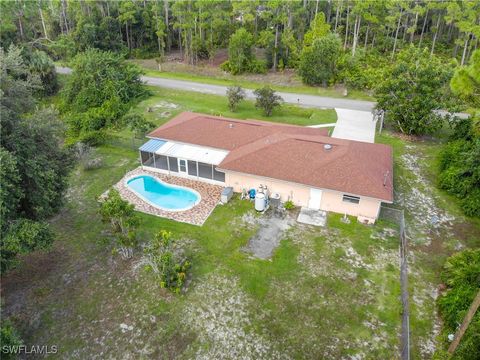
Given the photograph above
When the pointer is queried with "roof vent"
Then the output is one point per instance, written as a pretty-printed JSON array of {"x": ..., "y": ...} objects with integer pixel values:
[
  {"x": 327, "y": 147},
  {"x": 230, "y": 126}
]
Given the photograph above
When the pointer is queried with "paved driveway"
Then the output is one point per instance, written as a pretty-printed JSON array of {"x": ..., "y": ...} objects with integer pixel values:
[{"x": 355, "y": 125}]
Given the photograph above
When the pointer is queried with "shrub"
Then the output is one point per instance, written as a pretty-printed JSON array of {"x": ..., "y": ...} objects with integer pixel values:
[
  {"x": 93, "y": 138},
  {"x": 24, "y": 236},
  {"x": 461, "y": 274},
  {"x": 170, "y": 267},
  {"x": 318, "y": 63},
  {"x": 235, "y": 95},
  {"x": 8, "y": 338},
  {"x": 123, "y": 220},
  {"x": 137, "y": 123},
  {"x": 239, "y": 52},
  {"x": 289, "y": 205},
  {"x": 267, "y": 100}
]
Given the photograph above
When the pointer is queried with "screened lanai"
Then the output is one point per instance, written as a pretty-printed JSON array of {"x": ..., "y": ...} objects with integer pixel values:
[{"x": 183, "y": 159}]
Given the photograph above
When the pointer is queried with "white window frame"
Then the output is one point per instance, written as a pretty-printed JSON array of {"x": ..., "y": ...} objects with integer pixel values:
[{"x": 179, "y": 160}]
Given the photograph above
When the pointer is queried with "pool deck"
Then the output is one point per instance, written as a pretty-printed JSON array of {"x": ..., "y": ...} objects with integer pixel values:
[{"x": 196, "y": 216}]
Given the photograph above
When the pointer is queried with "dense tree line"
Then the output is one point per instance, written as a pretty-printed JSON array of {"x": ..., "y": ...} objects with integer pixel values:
[
  {"x": 148, "y": 28},
  {"x": 34, "y": 163}
]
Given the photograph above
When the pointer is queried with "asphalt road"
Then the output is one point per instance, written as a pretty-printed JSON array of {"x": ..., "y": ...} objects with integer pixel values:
[{"x": 292, "y": 98}]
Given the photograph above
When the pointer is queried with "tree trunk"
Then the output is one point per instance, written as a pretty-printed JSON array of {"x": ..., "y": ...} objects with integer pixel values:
[
  {"x": 316, "y": 8},
  {"x": 435, "y": 36},
  {"x": 336, "y": 16},
  {"x": 43, "y": 20},
  {"x": 346, "y": 29},
  {"x": 65, "y": 16},
  {"x": 464, "y": 51},
  {"x": 108, "y": 8},
  {"x": 169, "y": 40},
  {"x": 20, "y": 25},
  {"x": 366, "y": 36},
  {"x": 423, "y": 28},
  {"x": 275, "y": 54},
  {"x": 396, "y": 33},
  {"x": 128, "y": 36},
  {"x": 466, "y": 321},
  {"x": 356, "y": 31},
  {"x": 414, "y": 27}
]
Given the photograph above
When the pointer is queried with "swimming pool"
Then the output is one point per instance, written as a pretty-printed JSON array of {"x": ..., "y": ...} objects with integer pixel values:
[{"x": 162, "y": 195}]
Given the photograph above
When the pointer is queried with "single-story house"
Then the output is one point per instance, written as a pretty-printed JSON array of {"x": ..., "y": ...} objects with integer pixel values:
[{"x": 301, "y": 164}]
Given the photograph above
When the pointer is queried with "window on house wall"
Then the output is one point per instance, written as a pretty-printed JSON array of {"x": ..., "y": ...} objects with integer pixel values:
[
  {"x": 147, "y": 158},
  {"x": 173, "y": 164},
  {"x": 161, "y": 162},
  {"x": 217, "y": 175},
  {"x": 351, "y": 199},
  {"x": 205, "y": 170},
  {"x": 192, "y": 168}
]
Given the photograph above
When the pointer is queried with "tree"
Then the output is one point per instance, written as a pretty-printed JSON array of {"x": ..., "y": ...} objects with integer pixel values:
[
  {"x": 415, "y": 88},
  {"x": 235, "y": 95},
  {"x": 461, "y": 274},
  {"x": 318, "y": 62},
  {"x": 465, "y": 82},
  {"x": 120, "y": 214},
  {"x": 169, "y": 265},
  {"x": 267, "y": 100},
  {"x": 11, "y": 191},
  {"x": 24, "y": 236},
  {"x": 318, "y": 29},
  {"x": 240, "y": 54},
  {"x": 117, "y": 84},
  {"x": 138, "y": 124}
]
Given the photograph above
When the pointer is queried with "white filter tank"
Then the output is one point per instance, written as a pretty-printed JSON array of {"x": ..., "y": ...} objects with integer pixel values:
[{"x": 260, "y": 202}]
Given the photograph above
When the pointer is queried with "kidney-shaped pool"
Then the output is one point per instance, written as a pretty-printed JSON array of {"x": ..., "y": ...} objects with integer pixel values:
[{"x": 162, "y": 195}]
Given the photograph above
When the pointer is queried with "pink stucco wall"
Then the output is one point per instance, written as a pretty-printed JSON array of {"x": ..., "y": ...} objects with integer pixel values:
[{"x": 366, "y": 210}]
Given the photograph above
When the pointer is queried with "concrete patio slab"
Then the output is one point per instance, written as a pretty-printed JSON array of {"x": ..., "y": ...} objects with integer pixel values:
[{"x": 312, "y": 217}]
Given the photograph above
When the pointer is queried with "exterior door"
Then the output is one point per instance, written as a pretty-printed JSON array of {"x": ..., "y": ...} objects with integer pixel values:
[
  {"x": 315, "y": 199},
  {"x": 182, "y": 166}
]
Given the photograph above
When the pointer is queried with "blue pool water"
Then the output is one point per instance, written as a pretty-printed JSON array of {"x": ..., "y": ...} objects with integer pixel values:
[{"x": 163, "y": 195}]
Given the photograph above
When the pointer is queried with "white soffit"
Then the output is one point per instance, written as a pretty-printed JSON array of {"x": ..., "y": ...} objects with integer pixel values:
[{"x": 192, "y": 152}]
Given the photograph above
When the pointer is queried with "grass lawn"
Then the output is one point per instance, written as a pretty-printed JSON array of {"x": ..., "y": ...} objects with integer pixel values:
[
  {"x": 228, "y": 80},
  {"x": 165, "y": 102},
  {"x": 328, "y": 292},
  {"x": 436, "y": 228}
]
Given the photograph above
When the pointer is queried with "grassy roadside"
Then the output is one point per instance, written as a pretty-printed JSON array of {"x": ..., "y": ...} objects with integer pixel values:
[
  {"x": 164, "y": 103},
  {"x": 228, "y": 80}
]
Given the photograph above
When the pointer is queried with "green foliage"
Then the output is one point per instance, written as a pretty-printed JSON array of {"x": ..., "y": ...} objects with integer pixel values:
[
  {"x": 289, "y": 205},
  {"x": 41, "y": 65},
  {"x": 465, "y": 82},
  {"x": 460, "y": 167},
  {"x": 267, "y": 100},
  {"x": 240, "y": 56},
  {"x": 123, "y": 220},
  {"x": 84, "y": 154},
  {"x": 365, "y": 70},
  {"x": 100, "y": 90},
  {"x": 235, "y": 94},
  {"x": 10, "y": 191},
  {"x": 170, "y": 267},
  {"x": 24, "y": 236},
  {"x": 415, "y": 88},
  {"x": 318, "y": 63},
  {"x": 318, "y": 29},
  {"x": 461, "y": 274},
  {"x": 8, "y": 338},
  {"x": 138, "y": 124}
]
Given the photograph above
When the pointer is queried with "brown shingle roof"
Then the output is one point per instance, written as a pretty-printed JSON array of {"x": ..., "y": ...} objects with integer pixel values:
[
  {"x": 223, "y": 133},
  {"x": 290, "y": 153}
]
